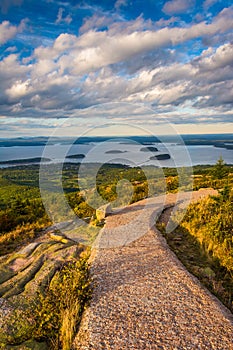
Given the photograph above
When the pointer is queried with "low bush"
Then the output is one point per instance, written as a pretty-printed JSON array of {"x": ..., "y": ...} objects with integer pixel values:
[{"x": 60, "y": 309}]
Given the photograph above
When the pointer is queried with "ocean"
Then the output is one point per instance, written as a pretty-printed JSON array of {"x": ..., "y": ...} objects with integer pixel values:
[{"x": 119, "y": 152}]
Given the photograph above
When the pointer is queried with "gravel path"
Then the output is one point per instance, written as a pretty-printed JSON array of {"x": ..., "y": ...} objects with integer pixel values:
[{"x": 143, "y": 296}]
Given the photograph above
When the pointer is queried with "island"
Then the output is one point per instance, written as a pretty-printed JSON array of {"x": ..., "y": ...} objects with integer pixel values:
[
  {"x": 149, "y": 149},
  {"x": 114, "y": 152},
  {"x": 76, "y": 156},
  {"x": 161, "y": 157}
]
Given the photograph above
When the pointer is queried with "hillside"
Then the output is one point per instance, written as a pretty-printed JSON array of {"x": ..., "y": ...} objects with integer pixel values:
[{"x": 39, "y": 261}]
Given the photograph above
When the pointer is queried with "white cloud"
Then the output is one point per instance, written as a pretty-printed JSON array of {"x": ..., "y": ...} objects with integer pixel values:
[
  {"x": 9, "y": 31},
  {"x": 166, "y": 22},
  {"x": 18, "y": 89},
  {"x": 11, "y": 49},
  {"x": 223, "y": 57},
  {"x": 60, "y": 18},
  {"x": 11, "y": 69},
  {"x": 132, "y": 61},
  {"x": 93, "y": 50},
  {"x": 177, "y": 6},
  {"x": 172, "y": 84},
  {"x": 95, "y": 22},
  {"x": 120, "y": 3}
]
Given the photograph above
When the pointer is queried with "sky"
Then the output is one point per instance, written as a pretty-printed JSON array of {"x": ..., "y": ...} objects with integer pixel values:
[{"x": 69, "y": 67}]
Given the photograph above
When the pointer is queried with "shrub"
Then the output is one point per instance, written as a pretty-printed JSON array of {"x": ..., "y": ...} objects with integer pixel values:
[
  {"x": 210, "y": 221},
  {"x": 60, "y": 309}
]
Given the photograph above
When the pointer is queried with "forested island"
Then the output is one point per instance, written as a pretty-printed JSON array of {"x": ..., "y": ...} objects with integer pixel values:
[{"x": 76, "y": 156}]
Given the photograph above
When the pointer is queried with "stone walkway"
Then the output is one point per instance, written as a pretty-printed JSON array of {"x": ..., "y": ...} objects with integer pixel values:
[{"x": 143, "y": 296}]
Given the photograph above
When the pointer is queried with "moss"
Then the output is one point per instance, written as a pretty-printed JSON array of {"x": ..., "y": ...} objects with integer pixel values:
[
  {"x": 17, "y": 324},
  {"x": 28, "y": 345},
  {"x": 5, "y": 274},
  {"x": 16, "y": 285}
]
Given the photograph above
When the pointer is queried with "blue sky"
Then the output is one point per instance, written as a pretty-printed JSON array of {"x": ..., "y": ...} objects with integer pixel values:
[{"x": 76, "y": 65}]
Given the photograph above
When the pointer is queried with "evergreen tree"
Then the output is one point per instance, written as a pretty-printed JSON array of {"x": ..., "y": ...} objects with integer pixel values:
[{"x": 220, "y": 170}]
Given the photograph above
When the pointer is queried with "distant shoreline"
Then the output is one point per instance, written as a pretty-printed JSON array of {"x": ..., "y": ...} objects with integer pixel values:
[
  {"x": 25, "y": 161},
  {"x": 140, "y": 150},
  {"x": 216, "y": 140}
]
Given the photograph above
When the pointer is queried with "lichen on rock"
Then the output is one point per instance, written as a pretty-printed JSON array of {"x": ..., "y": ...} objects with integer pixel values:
[{"x": 16, "y": 323}]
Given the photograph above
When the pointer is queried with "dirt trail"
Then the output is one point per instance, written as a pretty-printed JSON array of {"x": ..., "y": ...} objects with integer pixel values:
[{"x": 143, "y": 297}]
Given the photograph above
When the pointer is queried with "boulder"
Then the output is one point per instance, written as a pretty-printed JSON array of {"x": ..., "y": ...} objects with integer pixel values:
[
  {"x": 58, "y": 237},
  {"x": 103, "y": 211}
]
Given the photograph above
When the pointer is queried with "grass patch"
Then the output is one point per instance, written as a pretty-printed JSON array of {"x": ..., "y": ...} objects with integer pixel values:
[
  {"x": 200, "y": 262},
  {"x": 20, "y": 236},
  {"x": 61, "y": 306}
]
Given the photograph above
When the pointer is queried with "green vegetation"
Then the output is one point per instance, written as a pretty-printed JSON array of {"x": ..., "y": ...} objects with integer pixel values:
[
  {"x": 211, "y": 222},
  {"x": 22, "y": 214},
  {"x": 220, "y": 171},
  {"x": 52, "y": 265},
  {"x": 43, "y": 297},
  {"x": 204, "y": 239},
  {"x": 60, "y": 308},
  {"x": 21, "y": 204}
]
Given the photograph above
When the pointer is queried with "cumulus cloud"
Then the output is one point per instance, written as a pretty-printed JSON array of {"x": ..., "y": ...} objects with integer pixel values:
[
  {"x": 11, "y": 69},
  {"x": 9, "y": 31},
  {"x": 177, "y": 6},
  {"x": 166, "y": 85},
  {"x": 221, "y": 58},
  {"x": 129, "y": 62},
  {"x": 93, "y": 50}
]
